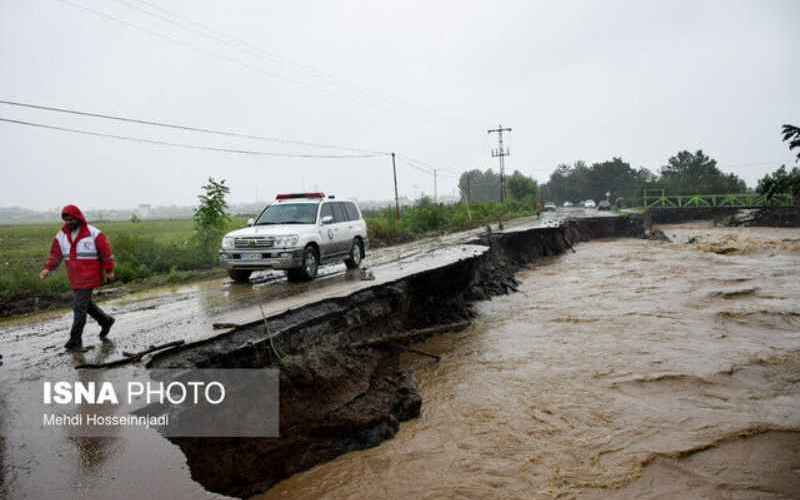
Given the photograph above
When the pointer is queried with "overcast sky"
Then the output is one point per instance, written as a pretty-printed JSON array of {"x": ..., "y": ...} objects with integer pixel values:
[{"x": 575, "y": 81}]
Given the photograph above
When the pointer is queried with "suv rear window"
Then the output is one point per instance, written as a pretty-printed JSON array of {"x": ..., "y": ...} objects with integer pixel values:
[
  {"x": 339, "y": 212},
  {"x": 352, "y": 211}
]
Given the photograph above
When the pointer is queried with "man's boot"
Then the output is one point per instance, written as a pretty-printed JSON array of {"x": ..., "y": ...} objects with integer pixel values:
[
  {"x": 105, "y": 328},
  {"x": 74, "y": 343}
]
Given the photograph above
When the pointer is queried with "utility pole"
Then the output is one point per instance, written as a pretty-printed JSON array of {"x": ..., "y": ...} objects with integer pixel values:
[
  {"x": 396, "y": 197},
  {"x": 469, "y": 195},
  {"x": 435, "y": 187},
  {"x": 501, "y": 153}
]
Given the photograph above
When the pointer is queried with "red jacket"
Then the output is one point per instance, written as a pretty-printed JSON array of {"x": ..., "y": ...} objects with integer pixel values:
[{"x": 87, "y": 256}]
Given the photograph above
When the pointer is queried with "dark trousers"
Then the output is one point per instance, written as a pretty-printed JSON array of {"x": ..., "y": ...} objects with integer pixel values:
[{"x": 82, "y": 304}]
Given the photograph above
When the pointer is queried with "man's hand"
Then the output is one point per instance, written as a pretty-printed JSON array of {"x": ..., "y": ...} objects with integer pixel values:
[
  {"x": 110, "y": 277},
  {"x": 44, "y": 274}
]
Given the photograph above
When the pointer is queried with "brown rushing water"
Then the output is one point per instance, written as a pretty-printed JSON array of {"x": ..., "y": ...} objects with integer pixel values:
[{"x": 630, "y": 369}]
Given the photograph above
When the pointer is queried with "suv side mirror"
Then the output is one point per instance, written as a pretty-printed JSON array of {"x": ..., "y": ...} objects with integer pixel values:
[
  {"x": 251, "y": 221},
  {"x": 327, "y": 219}
]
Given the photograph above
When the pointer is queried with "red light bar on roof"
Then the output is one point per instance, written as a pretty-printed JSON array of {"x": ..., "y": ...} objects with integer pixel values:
[{"x": 289, "y": 196}]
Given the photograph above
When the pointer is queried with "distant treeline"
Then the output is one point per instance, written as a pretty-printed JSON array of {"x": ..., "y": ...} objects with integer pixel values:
[{"x": 686, "y": 173}]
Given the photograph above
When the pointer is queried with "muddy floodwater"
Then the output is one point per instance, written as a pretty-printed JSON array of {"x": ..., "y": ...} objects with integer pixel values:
[{"x": 629, "y": 369}]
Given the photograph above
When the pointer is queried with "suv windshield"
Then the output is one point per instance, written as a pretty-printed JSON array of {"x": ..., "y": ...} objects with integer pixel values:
[{"x": 289, "y": 213}]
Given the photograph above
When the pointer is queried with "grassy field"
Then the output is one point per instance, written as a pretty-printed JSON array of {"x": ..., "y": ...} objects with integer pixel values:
[
  {"x": 165, "y": 250},
  {"x": 141, "y": 249}
]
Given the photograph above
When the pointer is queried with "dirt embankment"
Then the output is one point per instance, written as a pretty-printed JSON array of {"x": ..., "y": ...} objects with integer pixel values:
[{"x": 342, "y": 388}]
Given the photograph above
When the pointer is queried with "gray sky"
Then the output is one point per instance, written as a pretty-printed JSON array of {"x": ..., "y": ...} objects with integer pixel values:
[{"x": 575, "y": 80}]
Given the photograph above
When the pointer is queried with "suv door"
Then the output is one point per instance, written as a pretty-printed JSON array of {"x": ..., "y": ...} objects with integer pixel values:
[
  {"x": 343, "y": 232},
  {"x": 327, "y": 232}
]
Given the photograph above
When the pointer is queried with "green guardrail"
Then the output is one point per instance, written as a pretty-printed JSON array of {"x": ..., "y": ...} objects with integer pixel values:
[{"x": 747, "y": 200}]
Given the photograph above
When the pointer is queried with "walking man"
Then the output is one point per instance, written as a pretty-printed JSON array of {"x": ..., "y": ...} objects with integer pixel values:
[{"x": 88, "y": 258}]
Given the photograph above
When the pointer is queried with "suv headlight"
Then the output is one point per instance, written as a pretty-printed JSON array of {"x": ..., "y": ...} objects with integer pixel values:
[
  {"x": 227, "y": 242},
  {"x": 286, "y": 241}
]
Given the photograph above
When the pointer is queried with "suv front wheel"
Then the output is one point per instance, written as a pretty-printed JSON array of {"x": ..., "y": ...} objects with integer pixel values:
[
  {"x": 356, "y": 252},
  {"x": 308, "y": 270}
]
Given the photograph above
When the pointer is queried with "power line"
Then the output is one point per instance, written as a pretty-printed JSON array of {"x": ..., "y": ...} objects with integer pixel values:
[
  {"x": 231, "y": 40},
  {"x": 425, "y": 164},
  {"x": 210, "y": 33},
  {"x": 418, "y": 168},
  {"x": 184, "y": 145},
  {"x": 183, "y": 43},
  {"x": 186, "y": 127}
]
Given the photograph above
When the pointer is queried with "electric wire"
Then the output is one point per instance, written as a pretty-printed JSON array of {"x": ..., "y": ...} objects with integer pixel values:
[
  {"x": 231, "y": 40},
  {"x": 399, "y": 101},
  {"x": 183, "y": 145},
  {"x": 186, "y": 127}
]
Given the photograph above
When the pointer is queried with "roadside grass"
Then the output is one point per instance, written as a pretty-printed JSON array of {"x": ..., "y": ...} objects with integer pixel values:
[
  {"x": 142, "y": 250},
  {"x": 429, "y": 218}
]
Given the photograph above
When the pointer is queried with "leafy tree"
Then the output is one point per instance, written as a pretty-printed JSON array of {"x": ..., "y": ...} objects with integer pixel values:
[
  {"x": 480, "y": 187},
  {"x": 779, "y": 182},
  {"x": 580, "y": 181},
  {"x": 791, "y": 134},
  {"x": 484, "y": 187},
  {"x": 210, "y": 218},
  {"x": 521, "y": 188},
  {"x": 696, "y": 173}
]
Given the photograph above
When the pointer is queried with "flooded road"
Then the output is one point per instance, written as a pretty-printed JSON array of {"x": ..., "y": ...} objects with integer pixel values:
[{"x": 630, "y": 369}]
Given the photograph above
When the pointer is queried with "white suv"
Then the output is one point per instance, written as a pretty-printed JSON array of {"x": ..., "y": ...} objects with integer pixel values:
[{"x": 297, "y": 233}]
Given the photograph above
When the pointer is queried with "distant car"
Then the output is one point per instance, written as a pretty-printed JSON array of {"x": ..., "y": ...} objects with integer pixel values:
[
  {"x": 549, "y": 207},
  {"x": 604, "y": 205},
  {"x": 297, "y": 233},
  {"x": 567, "y": 204},
  {"x": 589, "y": 204}
]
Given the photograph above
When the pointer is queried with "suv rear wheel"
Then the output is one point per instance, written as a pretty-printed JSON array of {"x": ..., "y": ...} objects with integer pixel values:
[
  {"x": 240, "y": 275},
  {"x": 356, "y": 253}
]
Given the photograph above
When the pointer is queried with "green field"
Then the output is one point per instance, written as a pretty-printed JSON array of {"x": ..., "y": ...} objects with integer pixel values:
[{"x": 141, "y": 249}]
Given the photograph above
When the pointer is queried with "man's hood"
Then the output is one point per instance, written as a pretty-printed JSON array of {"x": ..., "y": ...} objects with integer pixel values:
[{"x": 74, "y": 212}]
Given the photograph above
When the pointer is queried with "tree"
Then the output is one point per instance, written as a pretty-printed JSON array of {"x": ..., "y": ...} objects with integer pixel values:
[
  {"x": 480, "y": 187},
  {"x": 696, "y": 173},
  {"x": 522, "y": 188},
  {"x": 791, "y": 134},
  {"x": 581, "y": 181},
  {"x": 779, "y": 182},
  {"x": 210, "y": 218}
]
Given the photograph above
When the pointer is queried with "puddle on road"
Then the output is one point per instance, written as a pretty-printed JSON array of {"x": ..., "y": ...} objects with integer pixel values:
[{"x": 606, "y": 376}]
